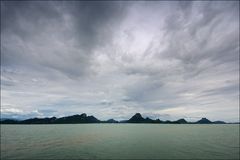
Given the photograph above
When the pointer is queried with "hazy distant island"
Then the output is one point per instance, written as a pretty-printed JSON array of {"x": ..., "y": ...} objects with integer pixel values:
[{"x": 84, "y": 118}]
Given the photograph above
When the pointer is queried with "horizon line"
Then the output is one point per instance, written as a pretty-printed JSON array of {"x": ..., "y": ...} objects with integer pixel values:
[{"x": 145, "y": 117}]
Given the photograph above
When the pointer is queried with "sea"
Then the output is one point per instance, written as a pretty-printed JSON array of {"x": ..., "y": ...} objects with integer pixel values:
[{"x": 120, "y": 141}]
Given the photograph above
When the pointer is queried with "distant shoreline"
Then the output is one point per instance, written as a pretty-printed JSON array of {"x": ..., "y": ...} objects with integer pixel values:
[
  {"x": 84, "y": 119},
  {"x": 118, "y": 123}
]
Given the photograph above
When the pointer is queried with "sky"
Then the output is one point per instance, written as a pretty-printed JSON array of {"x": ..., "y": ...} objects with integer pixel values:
[{"x": 164, "y": 59}]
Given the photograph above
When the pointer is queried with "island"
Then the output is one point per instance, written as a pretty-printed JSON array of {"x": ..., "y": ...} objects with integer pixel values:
[{"x": 84, "y": 118}]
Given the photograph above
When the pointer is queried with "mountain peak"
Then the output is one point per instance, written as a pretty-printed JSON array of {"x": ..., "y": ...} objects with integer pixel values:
[
  {"x": 83, "y": 115},
  {"x": 181, "y": 121},
  {"x": 204, "y": 121},
  {"x": 136, "y": 118},
  {"x": 112, "y": 121},
  {"x": 137, "y": 115}
]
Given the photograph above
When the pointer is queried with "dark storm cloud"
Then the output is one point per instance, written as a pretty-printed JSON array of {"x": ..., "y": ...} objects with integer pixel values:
[
  {"x": 79, "y": 27},
  {"x": 95, "y": 21}
]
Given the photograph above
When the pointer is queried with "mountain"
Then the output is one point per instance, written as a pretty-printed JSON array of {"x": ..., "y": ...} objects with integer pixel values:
[
  {"x": 158, "y": 121},
  {"x": 219, "y": 122},
  {"x": 111, "y": 121},
  {"x": 83, "y": 118},
  {"x": 168, "y": 122},
  {"x": 180, "y": 121},
  {"x": 137, "y": 118},
  {"x": 39, "y": 121},
  {"x": 204, "y": 121},
  {"x": 149, "y": 120}
]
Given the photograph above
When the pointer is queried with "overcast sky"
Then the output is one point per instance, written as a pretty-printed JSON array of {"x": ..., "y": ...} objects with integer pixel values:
[{"x": 166, "y": 60}]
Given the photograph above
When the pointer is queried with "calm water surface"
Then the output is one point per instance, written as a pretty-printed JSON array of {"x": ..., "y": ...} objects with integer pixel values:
[{"x": 120, "y": 141}]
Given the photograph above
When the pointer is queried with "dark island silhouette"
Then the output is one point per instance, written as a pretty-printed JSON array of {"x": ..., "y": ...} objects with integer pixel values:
[{"x": 83, "y": 118}]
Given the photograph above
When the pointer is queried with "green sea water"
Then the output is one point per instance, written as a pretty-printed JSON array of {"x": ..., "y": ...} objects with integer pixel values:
[{"x": 120, "y": 141}]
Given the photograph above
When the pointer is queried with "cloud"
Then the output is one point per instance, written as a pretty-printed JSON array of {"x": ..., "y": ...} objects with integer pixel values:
[
  {"x": 61, "y": 36},
  {"x": 112, "y": 59}
]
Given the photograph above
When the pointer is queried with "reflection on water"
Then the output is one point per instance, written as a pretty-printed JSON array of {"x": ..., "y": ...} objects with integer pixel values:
[{"x": 114, "y": 141}]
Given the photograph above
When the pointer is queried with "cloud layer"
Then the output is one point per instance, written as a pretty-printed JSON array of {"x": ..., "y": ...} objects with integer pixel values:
[{"x": 112, "y": 59}]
